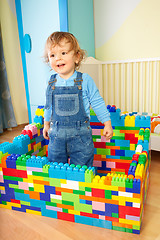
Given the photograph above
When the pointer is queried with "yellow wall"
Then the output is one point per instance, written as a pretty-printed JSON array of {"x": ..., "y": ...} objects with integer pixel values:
[
  {"x": 13, "y": 60},
  {"x": 137, "y": 37}
]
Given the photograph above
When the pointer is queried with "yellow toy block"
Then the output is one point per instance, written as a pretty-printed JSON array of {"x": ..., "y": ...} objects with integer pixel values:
[
  {"x": 33, "y": 212},
  {"x": 6, "y": 206},
  {"x": 131, "y": 222},
  {"x": 29, "y": 147},
  {"x": 63, "y": 181},
  {"x": 39, "y": 188},
  {"x": 74, "y": 212},
  {"x": 130, "y": 121},
  {"x": 132, "y": 147}
]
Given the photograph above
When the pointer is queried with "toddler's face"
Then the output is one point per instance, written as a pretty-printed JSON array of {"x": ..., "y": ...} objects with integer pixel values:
[{"x": 62, "y": 60}]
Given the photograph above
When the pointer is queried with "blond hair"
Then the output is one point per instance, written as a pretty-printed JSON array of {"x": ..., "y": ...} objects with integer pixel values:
[{"x": 56, "y": 38}]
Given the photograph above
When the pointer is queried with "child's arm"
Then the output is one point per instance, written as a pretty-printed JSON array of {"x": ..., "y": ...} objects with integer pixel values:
[
  {"x": 108, "y": 131},
  {"x": 45, "y": 130}
]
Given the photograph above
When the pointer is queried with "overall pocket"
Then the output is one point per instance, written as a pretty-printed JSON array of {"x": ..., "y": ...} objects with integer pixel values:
[{"x": 66, "y": 104}]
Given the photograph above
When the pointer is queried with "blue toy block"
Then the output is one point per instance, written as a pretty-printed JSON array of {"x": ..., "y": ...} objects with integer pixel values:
[
  {"x": 142, "y": 121},
  {"x": 136, "y": 186},
  {"x": 102, "y": 223},
  {"x": 88, "y": 202},
  {"x": 145, "y": 144},
  {"x": 97, "y": 127},
  {"x": 114, "y": 193},
  {"x": 135, "y": 231},
  {"x": 98, "y": 212},
  {"x": 38, "y": 119},
  {"x": 49, "y": 189},
  {"x": 22, "y": 209},
  {"x": 45, "y": 197},
  {"x": 36, "y": 204},
  {"x": 132, "y": 170},
  {"x": 22, "y": 197},
  {"x": 119, "y": 152},
  {"x": 82, "y": 201},
  {"x": 84, "y": 220},
  {"x": 11, "y": 161},
  {"x": 122, "y": 143},
  {"x": 48, "y": 213},
  {"x": 57, "y": 170},
  {"x": 129, "y": 204},
  {"x": 94, "y": 119},
  {"x": 9, "y": 147},
  {"x": 39, "y": 139},
  {"x": 129, "y": 153}
]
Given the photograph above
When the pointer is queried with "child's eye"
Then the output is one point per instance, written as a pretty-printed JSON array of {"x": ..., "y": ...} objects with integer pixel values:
[
  {"x": 52, "y": 55},
  {"x": 64, "y": 53}
]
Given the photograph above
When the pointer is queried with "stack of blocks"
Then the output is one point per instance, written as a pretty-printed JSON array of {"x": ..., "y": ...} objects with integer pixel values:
[{"x": 113, "y": 199}]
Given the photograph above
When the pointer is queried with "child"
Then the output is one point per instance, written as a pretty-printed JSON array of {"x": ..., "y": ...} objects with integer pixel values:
[{"x": 68, "y": 98}]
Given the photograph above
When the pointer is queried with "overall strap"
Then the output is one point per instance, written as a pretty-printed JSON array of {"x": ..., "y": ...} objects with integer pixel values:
[
  {"x": 52, "y": 81},
  {"x": 78, "y": 81}
]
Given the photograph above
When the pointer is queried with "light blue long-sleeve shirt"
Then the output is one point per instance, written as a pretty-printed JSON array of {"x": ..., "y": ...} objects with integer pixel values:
[{"x": 91, "y": 97}]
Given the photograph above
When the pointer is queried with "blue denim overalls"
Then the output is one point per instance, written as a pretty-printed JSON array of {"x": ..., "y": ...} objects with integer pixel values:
[{"x": 70, "y": 132}]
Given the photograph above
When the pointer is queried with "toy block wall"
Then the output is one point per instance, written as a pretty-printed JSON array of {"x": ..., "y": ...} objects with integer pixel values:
[
  {"x": 30, "y": 183},
  {"x": 116, "y": 154}
]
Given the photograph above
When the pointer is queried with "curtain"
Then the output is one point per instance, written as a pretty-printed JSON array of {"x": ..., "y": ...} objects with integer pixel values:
[{"x": 7, "y": 117}]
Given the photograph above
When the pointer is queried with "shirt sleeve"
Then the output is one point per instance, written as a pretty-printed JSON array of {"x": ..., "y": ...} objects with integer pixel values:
[
  {"x": 96, "y": 101},
  {"x": 47, "y": 114}
]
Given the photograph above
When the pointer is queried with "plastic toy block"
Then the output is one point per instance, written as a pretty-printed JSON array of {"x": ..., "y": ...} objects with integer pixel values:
[
  {"x": 132, "y": 170},
  {"x": 84, "y": 220},
  {"x": 89, "y": 175},
  {"x": 58, "y": 170},
  {"x": 139, "y": 171},
  {"x": 130, "y": 121},
  {"x": 11, "y": 160},
  {"x": 38, "y": 119},
  {"x": 142, "y": 121},
  {"x": 118, "y": 181},
  {"x": 142, "y": 159},
  {"x": 32, "y": 128}
]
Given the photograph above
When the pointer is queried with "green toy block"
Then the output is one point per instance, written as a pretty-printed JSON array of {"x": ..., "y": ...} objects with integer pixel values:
[
  {"x": 115, "y": 215},
  {"x": 129, "y": 183},
  {"x": 89, "y": 176},
  {"x": 13, "y": 178},
  {"x": 52, "y": 204},
  {"x": 19, "y": 190},
  {"x": 108, "y": 194},
  {"x": 46, "y": 168},
  {"x": 129, "y": 230},
  {"x": 79, "y": 192},
  {"x": 55, "y": 182},
  {"x": 103, "y": 151},
  {"x": 13, "y": 186},
  {"x": 65, "y": 210},
  {"x": 119, "y": 228},
  {"x": 88, "y": 189},
  {"x": 40, "y": 174},
  {"x": 25, "y": 203},
  {"x": 67, "y": 203}
]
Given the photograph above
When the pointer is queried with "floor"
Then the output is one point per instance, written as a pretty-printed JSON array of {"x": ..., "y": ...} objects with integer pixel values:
[{"x": 19, "y": 226}]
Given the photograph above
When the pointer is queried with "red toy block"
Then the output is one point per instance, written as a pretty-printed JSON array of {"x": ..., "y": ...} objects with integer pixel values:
[
  {"x": 91, "y": 215},
  {"x": 65, "y": 216},
  {"x": 100, "y": 193}
]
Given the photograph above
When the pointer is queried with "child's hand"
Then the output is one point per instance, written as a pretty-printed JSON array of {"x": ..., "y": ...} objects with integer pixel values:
[
  {"x": 45, "y": 130},
  {"x": 108, "y": 131}
]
